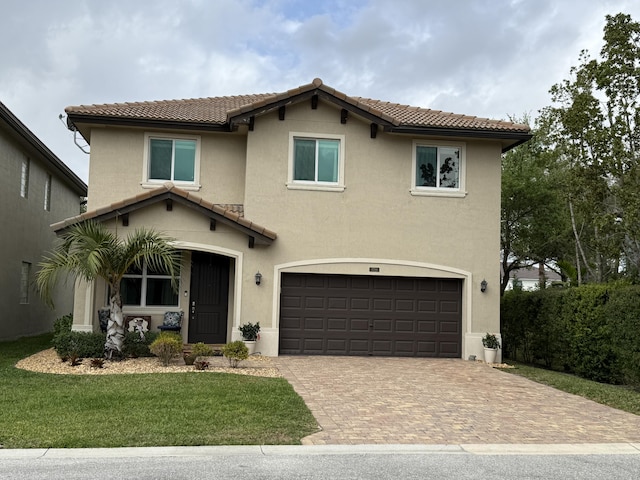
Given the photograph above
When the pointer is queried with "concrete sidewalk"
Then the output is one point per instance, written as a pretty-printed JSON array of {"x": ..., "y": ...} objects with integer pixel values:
[
  {"x": 380, "y": 400},
  {"x": 274, "y": 450}
]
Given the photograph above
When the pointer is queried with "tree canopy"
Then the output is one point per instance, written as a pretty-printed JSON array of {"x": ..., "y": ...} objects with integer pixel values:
[{"x": 581, "y": 169}]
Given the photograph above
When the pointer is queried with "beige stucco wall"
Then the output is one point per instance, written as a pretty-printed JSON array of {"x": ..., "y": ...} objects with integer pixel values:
[
  {"x": 376, "y": 217},
  {"x": 27, "y": 236},
  {"x": 116, "y": 167},
  {"x": 374, "y": 222}
]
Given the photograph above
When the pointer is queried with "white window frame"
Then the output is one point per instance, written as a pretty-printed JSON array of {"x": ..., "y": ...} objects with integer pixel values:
[
  {"x": 47, "y": 192},
  {"x": 313, "y": 185},
  {"x": 144, "y": 276},
  {"x": 25, "y": 273},
  {"x": 146, "y": 164},
  {"x": 439, "y": 191},
  {"x": 24, "y": 178}
]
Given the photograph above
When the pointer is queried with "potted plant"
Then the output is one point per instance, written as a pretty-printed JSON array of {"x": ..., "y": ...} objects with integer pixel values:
[
  {"x": 491, "y": 345},
  {"x": 250, "y": 334}
]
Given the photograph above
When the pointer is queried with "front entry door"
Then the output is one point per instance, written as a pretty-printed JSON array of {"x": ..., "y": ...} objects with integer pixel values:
[{"x": 209, "y": 298}]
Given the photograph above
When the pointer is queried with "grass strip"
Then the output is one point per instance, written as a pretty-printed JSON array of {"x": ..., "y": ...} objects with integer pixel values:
[
  {"x": 616, "y": 396},
  {"x": 66, "y": 411}
]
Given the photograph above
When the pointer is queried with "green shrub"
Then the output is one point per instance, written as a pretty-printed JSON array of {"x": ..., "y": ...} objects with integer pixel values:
[
  {"x": 623, "y": 313},
  {"x": 591, "y": 330},
  {"x": 134, "y": 346},
  {"x": 198, "y": 350},
  {"x": 166, "y": 346},
  {"x": 62, "y": 324},
  {"x": 79, "y": 344},
  {"x": 235, "y": 352},
  {"x": 202, "y": 350},
  {"x": 250, "y": 331}
]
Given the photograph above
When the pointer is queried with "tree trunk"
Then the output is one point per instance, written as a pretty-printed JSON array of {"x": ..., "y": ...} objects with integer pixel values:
[{"x": 115, "y": 327}]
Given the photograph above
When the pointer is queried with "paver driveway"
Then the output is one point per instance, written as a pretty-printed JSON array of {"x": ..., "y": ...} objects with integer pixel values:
[{"x": 359, "y": 400}]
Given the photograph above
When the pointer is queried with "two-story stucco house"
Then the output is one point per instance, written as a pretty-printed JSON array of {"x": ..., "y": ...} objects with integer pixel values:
[
  {"x": 344, "y": 225},
  {"x": 36, "y": 190}
]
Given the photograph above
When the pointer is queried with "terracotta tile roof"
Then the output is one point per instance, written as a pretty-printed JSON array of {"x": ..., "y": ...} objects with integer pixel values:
[
  {"x": 222, "y": 110},
  {"x": 232, "y": 214}
]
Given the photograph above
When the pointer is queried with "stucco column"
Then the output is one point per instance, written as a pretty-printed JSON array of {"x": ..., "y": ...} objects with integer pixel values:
[{"x": 83, "y": 306}]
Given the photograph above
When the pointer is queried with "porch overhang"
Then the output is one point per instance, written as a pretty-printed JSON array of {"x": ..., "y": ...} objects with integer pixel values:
[{"x": 171, "y": 195}]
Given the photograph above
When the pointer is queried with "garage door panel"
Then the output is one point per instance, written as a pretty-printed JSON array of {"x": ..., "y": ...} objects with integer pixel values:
[
  {"x": 385, "y": 325},
  {"x": 337, "y": 324},
  {"x": 358, "y": 347},
  {"x": 404, "y": 305},
  {"x": 337, "y": 303},
  {"x": 428, "y": 349},
  {"x": 360, "y": 304},
  {"x": 359, "y": 325},
  {"x": 449, "y": 349},
  {"x": 449, "y": 327},
  {"x": 427, "y": 326},
  {"x": 405, "y": 326},
  {"x": 449, "y": 307},
  {"x": 290, "y": 301},
  {"x": 313, "y": 323},
  {"x": 376, "y": 315},
  {"x": 381, "y": 284},
  {"x": 360, "y": 283},
  {"x": 313, "y": 345},
  {"x": 382, "y": 304},
  {"x": 314, "y": 303}
]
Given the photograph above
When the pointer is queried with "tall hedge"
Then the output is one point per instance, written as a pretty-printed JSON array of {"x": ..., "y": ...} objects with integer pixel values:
[{"x": 592, "y": 330}]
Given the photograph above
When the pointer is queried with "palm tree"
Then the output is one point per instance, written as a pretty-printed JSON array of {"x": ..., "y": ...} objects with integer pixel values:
[{"x": 89, "y": 251}]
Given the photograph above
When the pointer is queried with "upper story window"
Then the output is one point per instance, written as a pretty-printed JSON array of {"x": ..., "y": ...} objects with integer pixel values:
[
  {"x": 438, "y": 169},
  {"x": 316, "y": 162},
  {"x": 47, "y": 193},
  {"x": 24, "y": 178},
  {"x": 175, "y": 159}
]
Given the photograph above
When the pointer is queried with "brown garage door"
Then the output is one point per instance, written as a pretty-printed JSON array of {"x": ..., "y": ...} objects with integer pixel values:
[{"x": 366, "y": 315}]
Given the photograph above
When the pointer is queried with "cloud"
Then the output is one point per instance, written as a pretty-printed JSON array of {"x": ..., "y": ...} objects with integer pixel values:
[{"x": 481, "y": 57}]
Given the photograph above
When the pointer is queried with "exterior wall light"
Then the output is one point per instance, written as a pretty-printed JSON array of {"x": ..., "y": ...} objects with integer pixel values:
[
  {"x": 483, "y": 286},
  {"x": 258, "y": 278}
]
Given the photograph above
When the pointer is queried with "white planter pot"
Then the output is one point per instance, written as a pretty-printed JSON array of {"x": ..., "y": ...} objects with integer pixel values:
[
  {"x": 490, "y": 355},
  {"x": 251, "y": 346}
]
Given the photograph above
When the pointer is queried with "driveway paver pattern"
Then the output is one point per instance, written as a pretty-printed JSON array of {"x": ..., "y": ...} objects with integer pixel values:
[{"x": 381, "y": 400}]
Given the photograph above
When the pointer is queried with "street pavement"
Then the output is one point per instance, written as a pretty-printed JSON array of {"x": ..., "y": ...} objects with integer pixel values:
[{"x": 445, "y": 462}]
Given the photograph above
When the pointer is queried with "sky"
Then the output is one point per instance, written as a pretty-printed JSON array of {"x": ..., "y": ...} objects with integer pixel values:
[{"x": 488, "y": 58}]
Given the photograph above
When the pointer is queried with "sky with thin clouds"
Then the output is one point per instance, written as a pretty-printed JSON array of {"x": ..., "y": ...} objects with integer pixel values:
[{"x": 489, "y": 58}]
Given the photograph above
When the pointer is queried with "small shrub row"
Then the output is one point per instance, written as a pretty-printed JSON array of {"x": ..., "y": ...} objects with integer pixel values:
[
  {"x": 69, "y": 344},
  {"x": 78, "y": 345},
  {"x": 591, "y": 331}
]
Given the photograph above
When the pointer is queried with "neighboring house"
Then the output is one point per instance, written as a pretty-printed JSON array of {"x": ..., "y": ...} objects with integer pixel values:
[
  {"x": 37, "y": 189},
  {"x": 530, "y": 278},
  {"x": 344, "y": 225}
]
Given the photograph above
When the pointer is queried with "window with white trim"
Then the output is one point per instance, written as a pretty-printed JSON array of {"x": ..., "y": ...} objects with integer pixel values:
[
  {"x": 316, "y": 161},
  {"x": 24, "y": 178},
  {"x": 47, "y": 193},
  {"x": 25, "y": 273},
  {"x": 175, "y": 159},
  {"x": 147, "y": 288},
  {"x": 438, "y": 169}
]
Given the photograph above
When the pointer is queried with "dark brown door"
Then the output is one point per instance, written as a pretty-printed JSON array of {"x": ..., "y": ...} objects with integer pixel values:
[
  {"x": 367, "y": 315},
  {"x": 209, "y": 298}
]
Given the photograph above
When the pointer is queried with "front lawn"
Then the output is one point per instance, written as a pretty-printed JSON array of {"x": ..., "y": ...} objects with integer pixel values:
[
  {"x": 620, "y": 397},
  {"x": 63, "y": 411}
]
